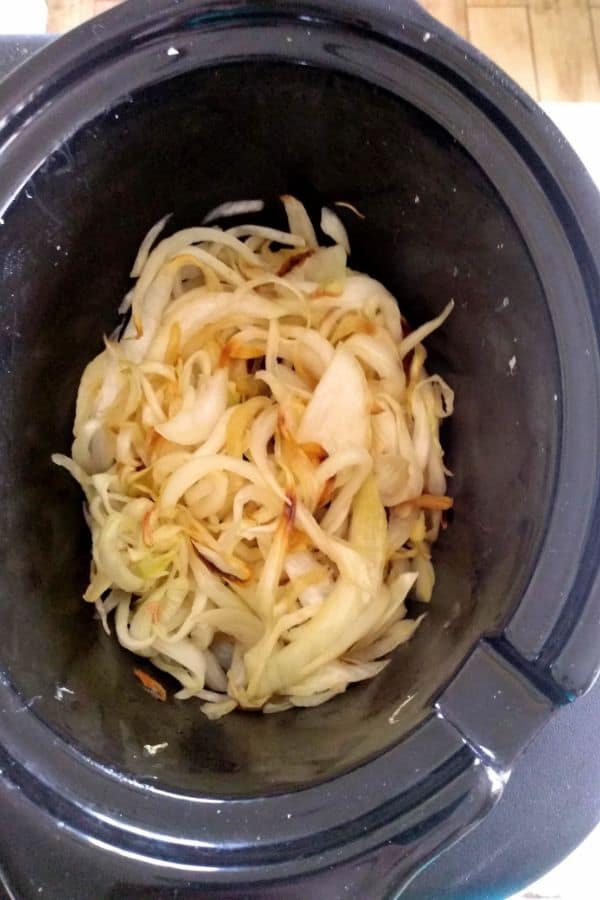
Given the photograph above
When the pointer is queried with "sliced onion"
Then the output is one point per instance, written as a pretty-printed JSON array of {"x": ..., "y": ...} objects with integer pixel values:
[
  {"x": 261, "y": 460},
  {"x": 233, "y": 208},
  {"x": 146, "y": 246},
  {"x": 194, "y": 423},
  {"x": 299, "y": 221},
  {"x": 332, "y": 226}
]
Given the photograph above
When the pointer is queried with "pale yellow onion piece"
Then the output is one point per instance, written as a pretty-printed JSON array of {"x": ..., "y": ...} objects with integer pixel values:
[
  {"x": 358, "y": 289},
  {"x": 199, "y": 301},
  {"x": 217, "y": 710},
  {"x": 130, "y": 440},
  {"x": 392, "y": 473},
  {"x": 122, "y": 614},
  {"x": 136, "y": 508},
  {"x": 338, "y": 412},
  {"x": 313, "y": 340},
  {"x": 425, "y": 579},
  {"x": 396, "y": 634},
  {"x": 233, "y": 208},
  {"x": 99, "y": 583},
  {"x": 332, "y": 226},
  {"x": 208, "y": 496},
  {"x": 326, "y": 269},
  {"x": 239, "y": 422},
  {"x": 81, "y": 450},
  {"x": 174, "y": 607},
  {"x": 147, "y": 319},
  {"x": 218, "y": 592},
  {"x": 124, "y": 307},
  {"x": 102, "y": 483},
  {"x": 215, "y": 676},
  {"x": 393, "y": 610},
  {"x": 252, "y": 493},
  {"x": 240, "y": 623},
  {"x": 336, "y": 676},
  {"x": 256, "y": 658},
  {"x": 276, "y": 706},
  {"x": 206, "y": 258},
  {"x": 203, "y": 634},
  {"x": 327, "y": 320},
  {"x": 421, "y": 433},
  {"x": 269, "y": 278},
  {"x": 186, "y": 654},
  {"x": 112, "y": 382},
  {"x": 96, "y": 514},
  {"x": 194, "y": 314},
  {"x": 110, "y": 557},
  {"x": 443, "y": 395},
  {"x": 349, "y": 562},
  {"x": 375, "y": 353},
  {"x": 299, "y": 221},
  {"x": 318, "y": 637},
  {"x": 75, "y": 470},
  {"x": 153, "y": 566},
  {"x": 305, "y": 359},
  {"x": 337, "y": 624},
  {"x": 178, "y": 671},
  {"x": 345, "y": 458},
  {"x": 368, "y": 528},
  {"x": 106, "y": 606},
  {"x": 170, "y": 247},
  {"x": 269, "y": 234},
  {"x": 169, "y": 463},
  {"x": 291, "y": 380},
  {"x": 193, "y": 425},
  {"x": 191, "y": 620},
  {"x": 89, "y": 389},
  {"x": 313, "y": 700},
  {"x": 343, "y": 204},
  {"x": 156, "y": 368},
  {"x": 435, "y": 476},
  {"x": 419, "y": 334},
  {"x": 147, "y": 244},
  {"x": 273, "y": 566},
  {"x": 302, "y": 563},
  {"x": 216, "y": 441},
  {"x": 153, "y": 412},
  {"x": 227, "y": 564},
  {"x": 199, "y": 360},
  {"x": 339, "y": 509},
  {"x": 141, "y": 616},
  {"x": 272, "y": 346},
  {"x": 384, "y": 432},
  {"x": 263, "y": 429},
  {"x": 414, "y": 483}
]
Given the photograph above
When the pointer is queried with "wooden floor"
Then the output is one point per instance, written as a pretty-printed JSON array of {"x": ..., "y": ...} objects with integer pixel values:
[{"x": 551, "y": 47}]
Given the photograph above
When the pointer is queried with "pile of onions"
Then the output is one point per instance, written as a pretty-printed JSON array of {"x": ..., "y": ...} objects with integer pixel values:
[{"x": 261, "y": 464}]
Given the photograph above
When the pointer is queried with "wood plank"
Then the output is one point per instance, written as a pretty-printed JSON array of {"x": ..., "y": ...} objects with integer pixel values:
[
  {"x": 564, "y": 51},
  {"x": 452, "y": 13},
  {"x": 503, "y": 33},
  {"x": 66, "y": 14},
  {"x": 595, "y": 14},
  {"x": 496, "y": 3}
]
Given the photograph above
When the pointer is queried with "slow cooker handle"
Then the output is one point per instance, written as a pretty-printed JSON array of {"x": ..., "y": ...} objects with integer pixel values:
[{"x": 441, "y": 821}]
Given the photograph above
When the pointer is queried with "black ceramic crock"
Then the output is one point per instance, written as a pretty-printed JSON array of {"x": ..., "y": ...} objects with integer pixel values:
[{"x": 469, "y": 192}]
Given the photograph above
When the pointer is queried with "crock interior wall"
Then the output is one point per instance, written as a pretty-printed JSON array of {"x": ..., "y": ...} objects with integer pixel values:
[{"x": 435, "y": 228}]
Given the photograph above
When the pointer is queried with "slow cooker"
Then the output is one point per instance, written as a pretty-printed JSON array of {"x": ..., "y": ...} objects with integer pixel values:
[{"x": 469, "y": 193}]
